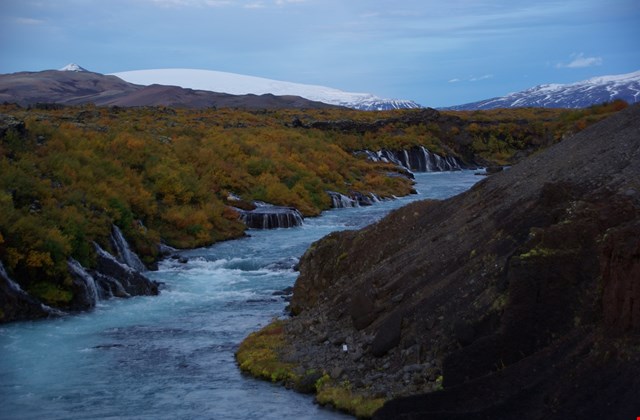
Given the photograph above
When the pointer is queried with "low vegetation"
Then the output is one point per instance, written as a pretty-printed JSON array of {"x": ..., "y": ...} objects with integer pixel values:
[{"x": 165, "y": 175}]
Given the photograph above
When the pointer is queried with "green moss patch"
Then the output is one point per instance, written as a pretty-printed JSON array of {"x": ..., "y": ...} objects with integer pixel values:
[
  {"x": 342, "y": 397},
  {"x": 259, "y": 355}
]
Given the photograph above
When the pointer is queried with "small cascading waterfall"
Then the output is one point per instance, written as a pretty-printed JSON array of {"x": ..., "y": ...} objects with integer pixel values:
[
  {"x": 341, "y": 201},
  {"x": 124, "y": 253},
  {"x": 417, "y": 159},
  {"x": 12, "y": 284},
  {"x": 111, "y": 284},
  {"x": 366, "y": 199},
  {"x": 266, "y": 216},
  {"x": 92, "y": 293}
]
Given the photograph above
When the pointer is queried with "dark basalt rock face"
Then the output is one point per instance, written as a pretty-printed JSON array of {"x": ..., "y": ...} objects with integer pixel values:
[
  {"x": 518, "y": 299},
  {"x": 120, "y": 280},
  {"x": 110, "y": 278}
]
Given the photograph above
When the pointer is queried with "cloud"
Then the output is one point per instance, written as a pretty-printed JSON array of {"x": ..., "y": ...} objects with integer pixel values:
[
  {"x": 578, "y": 60},
  {"x": 255, "y": 5},
  {"x": 472, "y": 78},
  {"x": 246, "y": 4},
  {"x": 29, "y": 21},
  {"x": 479, "y": 78},
  {"x": 191, "y": 3}
]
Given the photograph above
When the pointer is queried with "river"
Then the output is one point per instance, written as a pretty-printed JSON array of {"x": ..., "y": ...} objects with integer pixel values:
[{"x": 172, "y": 356}]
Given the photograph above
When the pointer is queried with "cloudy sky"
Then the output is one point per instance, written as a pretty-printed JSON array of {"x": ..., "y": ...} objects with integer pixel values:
[{"x": 436, "y": 52}]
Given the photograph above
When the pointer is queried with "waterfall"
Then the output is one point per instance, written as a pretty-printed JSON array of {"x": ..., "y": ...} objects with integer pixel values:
[
  {"x": 119, "y": 279},
  {"x": 124, "y": 253},
  {"x": 12, "y": 284},
  {"x": 340, "y": 201},
  {"x": 266, "y": 216},
  {"x": 91, "y": 289},
  {"x": 108, "y": 282},
  {"x": 418, "y": 159}
]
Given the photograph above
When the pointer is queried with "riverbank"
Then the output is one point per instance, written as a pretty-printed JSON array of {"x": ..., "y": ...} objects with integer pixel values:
[{"x": 516, "y": 298}]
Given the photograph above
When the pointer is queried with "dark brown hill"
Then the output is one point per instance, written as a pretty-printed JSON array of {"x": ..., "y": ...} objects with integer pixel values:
[
  {"x": 519, "y": 299},
  {"x": 76, "y": 88}
]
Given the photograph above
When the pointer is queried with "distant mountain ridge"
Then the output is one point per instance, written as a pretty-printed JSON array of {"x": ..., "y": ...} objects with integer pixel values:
[
  {"x": 574, "y": 95},
  {"x": 73, "y": 85},
  {"x": 237, "y": 84}
]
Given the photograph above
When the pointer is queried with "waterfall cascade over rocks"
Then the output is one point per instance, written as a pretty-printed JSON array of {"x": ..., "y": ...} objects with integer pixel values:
[
  {"x": 417, "y": 159},
  {"x": 86, "y": 282},
  {"x": 267, "y": 216},
  {"x": 17, "y": 303},
  {"x": 124, "y": 254}
]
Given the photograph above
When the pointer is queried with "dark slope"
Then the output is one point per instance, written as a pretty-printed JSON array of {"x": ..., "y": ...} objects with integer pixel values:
[
  {"x": 520, "y": 297},
  {"x": 76, "y": 88}
]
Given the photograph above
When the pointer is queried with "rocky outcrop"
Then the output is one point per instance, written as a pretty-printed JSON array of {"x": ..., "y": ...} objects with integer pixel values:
[
  {"x": 9, "y": 123},
  {"x": 116, "y": 279},
  {"x": 518, "y": 298},
  {"x": 16, "y": 304},
  {"x": 266, "y": 216},
  {"x": 113, "y": 276}
]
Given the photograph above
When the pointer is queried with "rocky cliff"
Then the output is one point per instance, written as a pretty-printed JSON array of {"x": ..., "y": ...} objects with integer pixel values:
[{"x": 519, "y": 298}]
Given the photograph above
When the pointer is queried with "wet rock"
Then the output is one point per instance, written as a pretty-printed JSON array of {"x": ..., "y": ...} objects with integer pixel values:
[
  {"x": 120, "y": 280},
  {"x": 307, "y": 384}
]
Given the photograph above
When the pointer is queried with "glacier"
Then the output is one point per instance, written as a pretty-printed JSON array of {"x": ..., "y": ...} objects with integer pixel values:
[{"x": 238, "y": 84}]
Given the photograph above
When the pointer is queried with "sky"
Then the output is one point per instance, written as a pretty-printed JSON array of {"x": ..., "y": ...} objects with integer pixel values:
[{"x": 435, "y": 52}]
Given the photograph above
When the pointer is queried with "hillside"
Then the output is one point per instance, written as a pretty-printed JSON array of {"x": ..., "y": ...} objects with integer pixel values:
[
  {"x": 516, "y": 299},
  {"x": 581, "y": 94},
  {"x": 76, "y": 87}
]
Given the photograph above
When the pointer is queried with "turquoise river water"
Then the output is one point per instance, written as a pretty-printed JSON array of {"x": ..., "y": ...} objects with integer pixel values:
[{"x": 172, "y": 356}]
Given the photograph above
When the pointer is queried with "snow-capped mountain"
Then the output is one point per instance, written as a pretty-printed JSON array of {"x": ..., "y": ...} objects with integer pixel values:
[
  {"x": 237, "y": 84},
  {"x": 72, "y": 67},
  {"x": 575, "y": 95}
]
